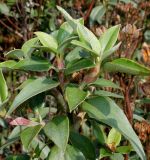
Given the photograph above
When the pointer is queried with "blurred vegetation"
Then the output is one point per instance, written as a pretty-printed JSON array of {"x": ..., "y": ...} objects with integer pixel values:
[{"x": 19, "y": 19}]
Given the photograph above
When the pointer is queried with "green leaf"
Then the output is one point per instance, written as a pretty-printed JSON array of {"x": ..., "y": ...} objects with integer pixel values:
[
  {"x": 70, "y": 154},
  {"x": 43, "y": 148},
  {"x": 106, "y": 110},
  {"x": 124, "y": 149},
  {"x": 28, "y": 134},
  {"x": 58, "y": 131},
  {"x": 74, "y": 97},
  {"x": 109, "y": 38},
  {"x": 114, "y": 137},
  {"x": 4, "y": 9},
  {"x": 138, "y": 118},
  {"x": 143, "y": 100},
  {"x": 110, "y": 51},
  {"x": 64, "y": 32},
  {"x": 99, "y": 132},
  {"x": 27, "y": 47},
  {"x": 124, "y": 65},
  {"x": 107, "y": 94},
  {"x": 16, "y": 132},
  {"x": 101, "y": 82},
  {"x": 9, "y": 142},
  {"x": 47, "y": 41},
  {"x": 66, "y": 42},
  {"x": 117, "y": 156},
  {"x": 127, "y": 1},
  {"x": 65, "y": 14},
  {"x": 97, "y": 14},
  {"x": 33, "y": 64},
  {"x": 3, "y": 88},
  {"x": 79, "y": 65},
  {"x": 83, "y": 45},
  {"x": 8, "y": 64},
  {"x": 25, "y": 83},
  {"x": 83, "y": 144},
  {"x": 104, "y": 153},
  {"x": 72, "y": 22},
  {"x": 74, "y": 54},
  {"x": 113, "y": 2},
  {"x": 18, "y": 157},
  {"x": 87, "y": 37},
  {"x": 35, "y": 87},
  {"x": 147, "y": 35},
  {"x": 16, "y": 53}
]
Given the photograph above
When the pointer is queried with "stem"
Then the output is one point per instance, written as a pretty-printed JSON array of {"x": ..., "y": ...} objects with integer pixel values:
[
  {"x": 107, "y": 16},
  {"x": 127, "y": 105},
  {"x": 60, "y": 95},
  {"x": 10, "y": 29},
  {"x": 12, "y": 23},
  {"x": 126, "y": 157},
  {"x": 60, "y": 66},
  {"x": 61, "y": 101},
  {"x": 89, "y": 10}
]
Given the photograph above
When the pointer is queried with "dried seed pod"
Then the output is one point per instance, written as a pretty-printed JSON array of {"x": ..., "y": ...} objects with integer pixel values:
[
  {"x": 146, "y": 53},
  {"x": 130, "y": 31},
  {"x": 143, "y": 130},
  {"x": 146, "y": 88}
]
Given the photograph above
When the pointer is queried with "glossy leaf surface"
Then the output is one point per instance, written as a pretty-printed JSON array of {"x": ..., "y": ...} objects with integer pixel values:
[
  {"x": 87, "y": 37},
  {"x": 16, "y": 53},
  {"x": 75, "y": 97},
  {"x": 28, "y": 134},
  {"x": 58, "y": 131},
  {"x": 107, "y": 94},
  {"x": 97, "y": 13},
  {"x": 33, "y": 64},
  {"x": 101, "y": 82},
  {"x": 64, "y": 32},
  {"x": 47, "y": 40},
  {"x": 3, "y": 88},
  {"x": 8, "y": 64},
  {"x": 105, "y": 110},
  {"x": 35, "y": 87},
  {"x": 83, "y": 144},
  {"x": 114, "y": 137},
  {"x": 28, "y": 47},
  {"x": 70, "y": 154},
  {"x": 79, "y": 65},
  {"x": 109, "y": 38},
  {"x": 124, "y": 65}
]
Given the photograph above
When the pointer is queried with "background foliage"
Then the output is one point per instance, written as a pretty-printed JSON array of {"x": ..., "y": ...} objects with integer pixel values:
[{"x": 124, "y": 78}]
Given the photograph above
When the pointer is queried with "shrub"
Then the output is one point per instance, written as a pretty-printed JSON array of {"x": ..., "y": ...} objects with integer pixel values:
[{"x": 66, "y": 109}]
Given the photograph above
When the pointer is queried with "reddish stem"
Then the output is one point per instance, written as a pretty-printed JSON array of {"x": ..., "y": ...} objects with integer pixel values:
[
  {"x": 13, "y": 24},
  {"x": 89, "y": 10}
]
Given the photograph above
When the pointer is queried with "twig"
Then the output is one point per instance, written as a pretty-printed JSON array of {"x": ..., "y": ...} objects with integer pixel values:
[
  {"x": 17, "y": 4},
  {"x": 14, "y": 25},
  {"x": 3, "y": 59},
  {"x": 89, "y": 10},
  {"x": 10, "y": 29},
  {"x": 126, "y": 157},
  {"x": 60, "y": 99},
  {"x": 127, "y": 106}
]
